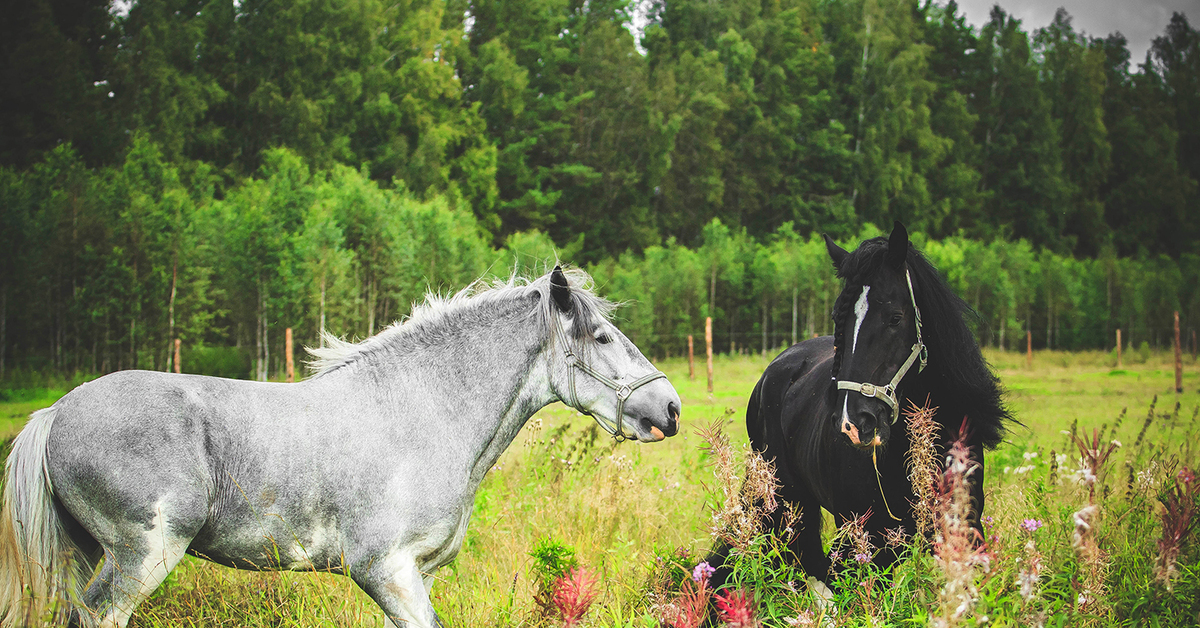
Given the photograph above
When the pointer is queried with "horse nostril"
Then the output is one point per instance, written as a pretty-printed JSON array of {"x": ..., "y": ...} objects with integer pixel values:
[
  {"x": 672, "y": 419},
  {"x": 866, "y": 421}
]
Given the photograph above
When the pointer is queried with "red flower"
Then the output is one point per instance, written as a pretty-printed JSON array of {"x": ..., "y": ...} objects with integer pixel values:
[
  {"x": 573, "y": 594},
  {"x": 736, "y": 609}
]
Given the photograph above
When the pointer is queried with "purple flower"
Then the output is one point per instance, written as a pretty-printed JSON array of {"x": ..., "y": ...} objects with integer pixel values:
[
  {"x": 1031, "y": 525},
  {"x": 862, "y": 558},
  {"x": 702, "y": 572},
  {"x": 835, "y": 556}
]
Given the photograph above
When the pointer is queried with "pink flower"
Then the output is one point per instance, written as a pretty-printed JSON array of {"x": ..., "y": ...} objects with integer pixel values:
[
  {"x": 1031, "y": 525},
  {"x": 702, "y": 572},
  {"x": 862, "y": 558}
]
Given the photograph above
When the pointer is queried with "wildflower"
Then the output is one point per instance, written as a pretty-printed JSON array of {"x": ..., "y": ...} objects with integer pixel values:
[
  {"x": 835, "y": 556},
  {"x": 1178, "y": 519},
  {"x": 702, "y": 572},
  {"x": 802, "y": 620},
  {"x": 1029, "y": 455},
  {"x": 862, "y": 558},
  {"x": 895, "y": 537},
  {"x": 954, "y": 539},
  {"x": 573, "y": 595},
  {"x": 1031, "y": 525},
  {"x": 922, "y": 463},
  {"x": 736, "y": 609},
  {"x": 1186, "y": 475}
]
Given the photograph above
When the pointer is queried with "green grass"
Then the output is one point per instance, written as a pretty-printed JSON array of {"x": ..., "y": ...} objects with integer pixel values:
[{"x": 623, "y": 508}]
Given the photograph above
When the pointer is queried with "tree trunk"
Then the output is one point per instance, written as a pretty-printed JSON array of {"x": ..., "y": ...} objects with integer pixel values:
[
  {"x": 764, "y": 327},
  {"x": 171, "y": 315},
  {"x": 794, "y": 314},
  {"x": 321, "y": 331},
  {"x": 3, "y": 327}
]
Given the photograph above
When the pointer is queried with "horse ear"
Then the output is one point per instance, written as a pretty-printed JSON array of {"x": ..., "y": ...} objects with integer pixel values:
[
  {"x": 560, "y": 290},
  {"x": 836, "y": 253},
  {"x": 897, "y": 246}
]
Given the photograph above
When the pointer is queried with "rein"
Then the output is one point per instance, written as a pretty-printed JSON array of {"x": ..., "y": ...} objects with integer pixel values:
[
  {"x": 623, "y": 391},
  {"x": 887, "y": 393}
]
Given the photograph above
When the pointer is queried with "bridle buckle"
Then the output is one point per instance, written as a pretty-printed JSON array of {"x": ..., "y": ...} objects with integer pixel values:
[{"x": 867, "y": 390}]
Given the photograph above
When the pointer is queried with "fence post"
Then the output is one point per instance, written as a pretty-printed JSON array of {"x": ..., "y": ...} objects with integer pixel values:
[
  {"x": 291, "y": 372},
  {"x": 177, "y": 369},
  {"x": 1028, "y": 349},
  {"x": 691, "y": 360},
  {"x": 1119, "y": 348},
  {"x": 708, "y": 349},
  {"x": 1178, "y": 358}
]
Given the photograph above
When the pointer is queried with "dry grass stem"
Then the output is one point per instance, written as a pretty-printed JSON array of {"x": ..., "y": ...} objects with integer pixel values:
[{"x": 923, "y": 434}]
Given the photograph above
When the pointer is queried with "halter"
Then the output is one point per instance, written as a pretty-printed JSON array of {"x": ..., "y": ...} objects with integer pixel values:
[
  {"x": 887, "y": 393},
  {"x": 623, "y": 390}
]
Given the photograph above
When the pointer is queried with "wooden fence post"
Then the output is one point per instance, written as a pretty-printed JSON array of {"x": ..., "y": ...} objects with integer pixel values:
[
  {"x": 1119, "y": 348},
  {"x": 291, "y": 371},
  {"x": 177, "y": 369},
  {"x": 1028, "y": 349},
  {"x": 691, "y": 360},
  {"x": 1178, "y": 358},
  {"x": 708, "y": 349}
]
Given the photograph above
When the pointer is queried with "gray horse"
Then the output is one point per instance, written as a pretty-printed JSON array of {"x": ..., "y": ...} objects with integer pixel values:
[{"x": 368, "y": 469}]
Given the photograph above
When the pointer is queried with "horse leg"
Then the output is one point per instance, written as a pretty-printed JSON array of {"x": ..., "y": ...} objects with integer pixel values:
[
  {"x": 135, "y": 565},
  {"x": 398, "y": 587}
]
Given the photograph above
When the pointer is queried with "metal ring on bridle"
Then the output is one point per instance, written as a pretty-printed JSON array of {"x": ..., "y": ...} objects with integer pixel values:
[
  {"x": 887, "y": 393},
  {"x": 624, "y": 391}
]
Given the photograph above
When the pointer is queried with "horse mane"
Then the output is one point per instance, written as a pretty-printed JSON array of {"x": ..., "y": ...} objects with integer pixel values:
[
  {"x": 960, "y": 381},
  {"x": 438, "y": 315}
]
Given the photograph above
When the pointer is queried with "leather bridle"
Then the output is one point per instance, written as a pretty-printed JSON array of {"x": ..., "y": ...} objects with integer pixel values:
[
  {"x": 575, "y": 361},
  {"x": 887, "y": 393}
]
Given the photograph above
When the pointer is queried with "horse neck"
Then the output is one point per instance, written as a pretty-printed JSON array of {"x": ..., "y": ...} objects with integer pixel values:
[{"x": 483, "y": 377}]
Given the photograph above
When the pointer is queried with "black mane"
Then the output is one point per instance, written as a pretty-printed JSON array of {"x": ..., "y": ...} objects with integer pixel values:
[{"x": 958, "y": 378}]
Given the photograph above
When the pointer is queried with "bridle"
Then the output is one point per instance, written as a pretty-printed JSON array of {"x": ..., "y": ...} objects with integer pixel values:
[
  {"x": 887, "y": 393},
  {"x": 575, "y": 361}
]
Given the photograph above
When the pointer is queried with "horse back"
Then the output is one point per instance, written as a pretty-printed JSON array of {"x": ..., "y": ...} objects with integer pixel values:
[{"x": 770, "y": 427}]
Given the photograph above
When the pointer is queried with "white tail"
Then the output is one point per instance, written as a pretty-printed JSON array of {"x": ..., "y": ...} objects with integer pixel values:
[{"x": 39, "y": 563}]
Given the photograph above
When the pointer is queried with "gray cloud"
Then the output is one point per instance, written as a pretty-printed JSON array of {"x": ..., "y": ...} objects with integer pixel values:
[{"x": 1140, "y": 21}]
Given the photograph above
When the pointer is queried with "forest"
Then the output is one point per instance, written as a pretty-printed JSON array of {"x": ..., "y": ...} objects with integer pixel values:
[{"x": 219, "y": 170}]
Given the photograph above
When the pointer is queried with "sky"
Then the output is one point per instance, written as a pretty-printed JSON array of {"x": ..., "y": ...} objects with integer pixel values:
[{"x": 1140, "y": 21}]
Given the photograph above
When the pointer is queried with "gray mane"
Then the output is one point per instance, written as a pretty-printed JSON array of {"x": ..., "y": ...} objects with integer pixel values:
[{"x": 482, "y": 301}]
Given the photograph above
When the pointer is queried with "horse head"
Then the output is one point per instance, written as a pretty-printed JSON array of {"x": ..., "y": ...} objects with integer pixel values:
[
  {"x": 598, "y": 371},
  {"x": 877, "y": 337}
]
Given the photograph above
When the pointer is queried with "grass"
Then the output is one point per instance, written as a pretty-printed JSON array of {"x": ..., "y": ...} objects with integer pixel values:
[{"x": 626, "y": 509}]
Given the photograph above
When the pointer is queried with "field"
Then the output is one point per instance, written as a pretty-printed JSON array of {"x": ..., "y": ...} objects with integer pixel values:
[{"x": 627, "y": 510}]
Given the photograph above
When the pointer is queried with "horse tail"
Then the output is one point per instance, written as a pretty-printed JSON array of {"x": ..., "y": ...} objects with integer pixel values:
[{"x": 38, "y": 559}]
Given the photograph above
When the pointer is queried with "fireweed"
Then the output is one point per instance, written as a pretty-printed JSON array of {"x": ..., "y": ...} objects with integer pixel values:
[
  {"x": 573, "y": 594},
  {"x": 746, "y": 499},
  {"x": 1178, "y": 519},
  {"x": 954, "y": 543},
  {"x": 923, "y": 433},
  {"x": 1093, "y": 454}
]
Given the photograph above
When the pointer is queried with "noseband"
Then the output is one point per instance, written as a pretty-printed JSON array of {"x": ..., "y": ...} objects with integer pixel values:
[
  {"x": 575, "y": 361},
  {"x": 887, "y": 394}
]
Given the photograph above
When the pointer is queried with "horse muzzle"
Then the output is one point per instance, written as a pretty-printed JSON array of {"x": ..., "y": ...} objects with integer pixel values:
[{"x": 851, "y": 432}]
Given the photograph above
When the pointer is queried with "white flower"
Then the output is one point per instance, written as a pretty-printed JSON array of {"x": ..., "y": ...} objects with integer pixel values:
[{"x": 1029, "y": 455}]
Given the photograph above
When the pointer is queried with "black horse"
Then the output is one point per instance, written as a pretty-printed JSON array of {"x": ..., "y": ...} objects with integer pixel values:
[{"x": 824, "y": 406}]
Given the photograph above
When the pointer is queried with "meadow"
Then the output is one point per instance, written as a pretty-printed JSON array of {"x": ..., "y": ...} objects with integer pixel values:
[{"x": 640, "y": 516}]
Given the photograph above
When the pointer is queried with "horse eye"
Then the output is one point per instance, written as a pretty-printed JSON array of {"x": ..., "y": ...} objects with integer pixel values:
[
  {"x": 603, "y": 339},
  {"x": 896, "y": 318}
]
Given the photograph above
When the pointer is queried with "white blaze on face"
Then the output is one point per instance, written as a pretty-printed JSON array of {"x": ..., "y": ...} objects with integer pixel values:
[{"x": 860, "y": 314}]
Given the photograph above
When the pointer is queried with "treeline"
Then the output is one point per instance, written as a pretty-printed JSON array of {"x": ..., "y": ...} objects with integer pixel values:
[
  {"x": 112, "y": 264},
  {"x": 216, "y": 170}
]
